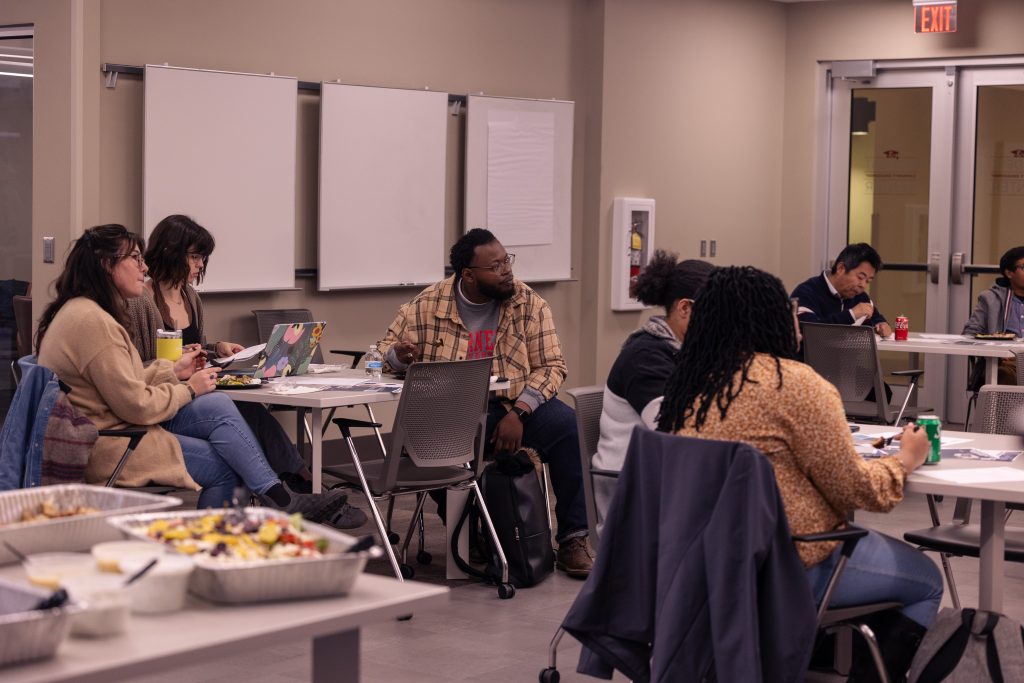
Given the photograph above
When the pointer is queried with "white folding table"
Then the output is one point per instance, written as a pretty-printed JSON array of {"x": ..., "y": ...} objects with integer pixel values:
[
  {"x": 993, "y": 496},
  {"x": 204, "y": 632},
  {"x": 956, "y": 345}
]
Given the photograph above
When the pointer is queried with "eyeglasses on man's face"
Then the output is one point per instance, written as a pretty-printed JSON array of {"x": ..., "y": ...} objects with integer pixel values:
[{"x": 499, "y": 266}]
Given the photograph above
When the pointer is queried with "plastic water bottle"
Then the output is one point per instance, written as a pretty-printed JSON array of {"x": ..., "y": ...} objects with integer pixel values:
[{"x": 374, "y": 363}]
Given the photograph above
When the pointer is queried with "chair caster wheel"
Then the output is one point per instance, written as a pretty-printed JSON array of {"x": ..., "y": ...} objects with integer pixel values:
[
  {"x": 392, "y": 538},
  {"x": 550, "y": 675},
  {"x": 423, "y": 557},
  {"x": 407, "y": 571},
  {"x": 506, "y": 591}
]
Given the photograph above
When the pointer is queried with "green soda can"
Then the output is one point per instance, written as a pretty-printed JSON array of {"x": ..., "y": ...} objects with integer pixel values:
[{"x": 933, "y": 426}]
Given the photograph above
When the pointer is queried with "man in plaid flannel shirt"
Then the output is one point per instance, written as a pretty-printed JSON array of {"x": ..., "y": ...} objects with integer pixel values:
[{"x": 480, "y": 311}]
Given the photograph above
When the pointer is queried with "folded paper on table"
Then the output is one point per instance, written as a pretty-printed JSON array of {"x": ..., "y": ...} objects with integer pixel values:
[
  {"x": 980, "y": 454},
  {"x": 993, "y": 475},
  {"x": 246, "y": 356},
  {"x": 291, "y": 389}
]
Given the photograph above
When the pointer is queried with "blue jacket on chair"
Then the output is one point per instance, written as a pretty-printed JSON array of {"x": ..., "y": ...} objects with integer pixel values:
[
  {"x": 21, "y": 440},
  {"x": 696, "y": 576}
]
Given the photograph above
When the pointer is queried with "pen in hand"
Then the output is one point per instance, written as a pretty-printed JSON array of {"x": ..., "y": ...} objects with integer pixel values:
[{"x": 882, "y": 441}]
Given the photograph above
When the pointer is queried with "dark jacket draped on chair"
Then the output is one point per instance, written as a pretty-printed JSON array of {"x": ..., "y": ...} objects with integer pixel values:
[{"x": 696, "y": 570}]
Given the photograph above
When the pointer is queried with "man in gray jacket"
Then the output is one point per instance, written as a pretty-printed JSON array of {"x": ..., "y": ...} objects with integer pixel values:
[{"x": 1001, "y": 308}]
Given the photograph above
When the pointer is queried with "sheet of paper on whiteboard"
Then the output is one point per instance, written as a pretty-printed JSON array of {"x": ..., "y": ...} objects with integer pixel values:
[{"x": 520, "y": 177}]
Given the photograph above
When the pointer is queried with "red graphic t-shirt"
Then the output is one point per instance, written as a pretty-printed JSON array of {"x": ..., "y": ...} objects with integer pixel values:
[{"x": 481, "y": 344}]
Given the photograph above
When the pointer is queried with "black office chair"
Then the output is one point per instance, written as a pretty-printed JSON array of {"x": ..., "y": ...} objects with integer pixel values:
[
  {"x": 847, "y": 356},
  {"x": 656, "y": 538}
]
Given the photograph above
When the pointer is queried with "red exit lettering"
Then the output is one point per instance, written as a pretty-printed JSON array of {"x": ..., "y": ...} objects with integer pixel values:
[{"x": 936, "y": 18}]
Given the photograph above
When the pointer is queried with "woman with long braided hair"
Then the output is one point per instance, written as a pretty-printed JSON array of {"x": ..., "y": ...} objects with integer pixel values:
[{"x": 737, "y": 379}]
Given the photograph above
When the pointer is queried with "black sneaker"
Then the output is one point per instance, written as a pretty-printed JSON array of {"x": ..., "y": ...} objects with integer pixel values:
[
  {"x": 314, "y": 507},
  {"x": 296, "y": 483},
  {"x": 347, "y": 517}
]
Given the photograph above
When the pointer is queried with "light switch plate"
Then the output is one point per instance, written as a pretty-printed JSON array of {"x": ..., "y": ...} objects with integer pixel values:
[{"x": 48, "y": 248}]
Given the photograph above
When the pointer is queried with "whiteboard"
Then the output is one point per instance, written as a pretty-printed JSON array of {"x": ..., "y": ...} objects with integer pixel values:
[
  {"x": 382, "y": 186},
  {"x": 519, "y": 180},
  {"x": 220, "y": 147}
]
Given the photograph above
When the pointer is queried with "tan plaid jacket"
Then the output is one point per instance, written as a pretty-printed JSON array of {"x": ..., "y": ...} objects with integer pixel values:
[{"x": 526, "y": 351}]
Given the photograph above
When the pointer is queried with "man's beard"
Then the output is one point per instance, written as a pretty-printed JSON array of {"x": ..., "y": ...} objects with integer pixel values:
[{"x": 495, "y": 292}]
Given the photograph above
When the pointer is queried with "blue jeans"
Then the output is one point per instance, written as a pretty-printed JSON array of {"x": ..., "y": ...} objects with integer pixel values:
[
  {"x": 277, "y": 446},
  {"x": 551, "y": 431},
  {"x": 219, "y": 448},
  {"x": 883, "y": 569}
]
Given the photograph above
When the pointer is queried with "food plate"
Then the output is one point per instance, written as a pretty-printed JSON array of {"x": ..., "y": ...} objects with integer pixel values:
[
  {"x": 996, "y": 336},
  {"x": 246, "y": 581},
  {"x": 238, "y": 382},
  {"x": 79, "y": 532}
]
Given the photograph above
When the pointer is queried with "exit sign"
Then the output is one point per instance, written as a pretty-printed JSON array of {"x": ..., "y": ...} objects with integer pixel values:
[{"x": 934, "y": 16}]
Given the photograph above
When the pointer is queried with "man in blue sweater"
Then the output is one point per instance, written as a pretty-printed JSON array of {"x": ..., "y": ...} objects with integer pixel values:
[{"x": 839, "y": 296}]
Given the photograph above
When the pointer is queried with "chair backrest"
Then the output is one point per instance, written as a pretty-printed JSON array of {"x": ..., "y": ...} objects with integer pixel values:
[
  {"x": 1000, "y": 410},
  {"x": 266, "y": 318},
  {"x": 441, "y": 417},
  {"x": 589, "y": 404},
  {"x": 1020, "y": 360},
  {"x": 23, "y": 322},
  {"x": 847, "y": 356}
]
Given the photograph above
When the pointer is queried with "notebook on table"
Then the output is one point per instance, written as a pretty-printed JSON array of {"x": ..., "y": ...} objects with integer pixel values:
[{"x": 289, "y": 349}]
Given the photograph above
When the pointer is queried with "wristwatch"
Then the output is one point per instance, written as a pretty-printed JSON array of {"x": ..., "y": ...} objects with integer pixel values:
[{"x": 523, "y": 413}]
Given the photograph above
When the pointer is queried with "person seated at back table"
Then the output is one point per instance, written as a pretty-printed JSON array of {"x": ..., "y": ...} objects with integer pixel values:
[
  {"x": 177, "y": 257},
  {"x": 1001, "y": 309},
  {"x": 737, "y": 379},
  {"x": 839, "y": 296},
  {"x": 645, "y": 361},
  {"x": 481, "y": 311},
  {"x": 194, "y": 436}
]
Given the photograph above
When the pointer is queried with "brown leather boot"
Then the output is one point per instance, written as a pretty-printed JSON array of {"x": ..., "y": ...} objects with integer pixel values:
[{"x": 575, "y": 557}]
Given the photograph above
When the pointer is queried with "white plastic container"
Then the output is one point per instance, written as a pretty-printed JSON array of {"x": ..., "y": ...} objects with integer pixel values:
[
  {"x": 112, "y": 556},
  {"x": 163, "y": 588},
  {"x": 50, "y": 570},
  {"x": 105, "y": 603}
]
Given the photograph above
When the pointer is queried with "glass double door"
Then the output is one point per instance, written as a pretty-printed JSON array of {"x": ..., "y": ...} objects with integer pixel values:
[{"x": 926, "y": 163}]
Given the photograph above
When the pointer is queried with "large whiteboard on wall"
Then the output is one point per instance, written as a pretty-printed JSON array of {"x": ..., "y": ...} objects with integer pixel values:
[
  {"x": 519, "y": 180},
  {"x": 220, "y": 147},
  {"x": 382, "y": 186}
]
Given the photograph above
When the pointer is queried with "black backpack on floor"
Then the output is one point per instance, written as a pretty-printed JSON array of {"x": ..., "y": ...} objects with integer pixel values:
[
  {"x": 970, "y": 645},
  {"x": 518, "y": 508}
]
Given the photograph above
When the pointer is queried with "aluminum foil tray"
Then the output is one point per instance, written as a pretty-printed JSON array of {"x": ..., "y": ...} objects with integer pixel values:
[
  {"x": 69, "y": 533},
  {"x": 265, "y": 580},
  {"x": 27, "y": 634}
]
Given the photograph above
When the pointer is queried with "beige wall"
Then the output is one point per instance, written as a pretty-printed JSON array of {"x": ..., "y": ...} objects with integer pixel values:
[{"x": 708, "y": 106}]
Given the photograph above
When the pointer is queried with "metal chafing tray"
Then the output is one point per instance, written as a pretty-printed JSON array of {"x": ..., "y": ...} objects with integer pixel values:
[
  {"x": 80, "y": 532},
  {"x": 26, "y": 633},
  {"x": 242, "y": 581}
]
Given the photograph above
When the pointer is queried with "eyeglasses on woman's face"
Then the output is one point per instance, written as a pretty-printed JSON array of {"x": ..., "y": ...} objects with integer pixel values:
[
  {"x": 197, "y": 258},
  {"x": 501, "y": 265},
  {"x": 135, "y": 255}
]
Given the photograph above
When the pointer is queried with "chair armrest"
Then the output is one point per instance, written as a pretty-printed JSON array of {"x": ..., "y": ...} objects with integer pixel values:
[
  {"x": 907, "y": 373},
  {"x": 612, "y": 474},
  {"x": 356, "y": 355},
  {"x": 345, "y": 424},
  {"x": 848, "y": 536}
]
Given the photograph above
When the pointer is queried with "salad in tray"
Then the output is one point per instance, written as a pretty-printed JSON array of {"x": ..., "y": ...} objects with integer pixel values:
[{"x": 232, "y": 536}]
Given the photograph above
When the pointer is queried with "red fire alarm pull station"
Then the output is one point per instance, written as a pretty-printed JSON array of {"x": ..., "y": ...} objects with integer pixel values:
[{"x": 935, "y": 16}]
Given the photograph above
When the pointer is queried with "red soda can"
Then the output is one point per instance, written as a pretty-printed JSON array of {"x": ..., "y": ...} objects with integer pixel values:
[{"x": 902, "y": 328}]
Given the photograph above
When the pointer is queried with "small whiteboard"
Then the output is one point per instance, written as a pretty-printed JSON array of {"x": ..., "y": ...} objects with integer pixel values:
[
  {"x": 382, "y": 185},
  {"x": 519, "y": 180},
  {"x": 220, "y": 147}
]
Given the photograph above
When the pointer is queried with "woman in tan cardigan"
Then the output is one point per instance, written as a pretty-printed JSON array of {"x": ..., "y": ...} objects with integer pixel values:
[
  {"x": 195, "y": 438},
  {"x": 737, "y": 379},
  {"x": 177, "y": 256}
]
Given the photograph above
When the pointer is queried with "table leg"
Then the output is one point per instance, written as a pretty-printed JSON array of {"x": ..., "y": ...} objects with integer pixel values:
[
  {"x": 991, "y": 370},
  {"x": 993, "y": 543},
  {"x": 300, "y": 429},
  {"x": 317, "y": 438},
  {"x": 336, "y": 657}
]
